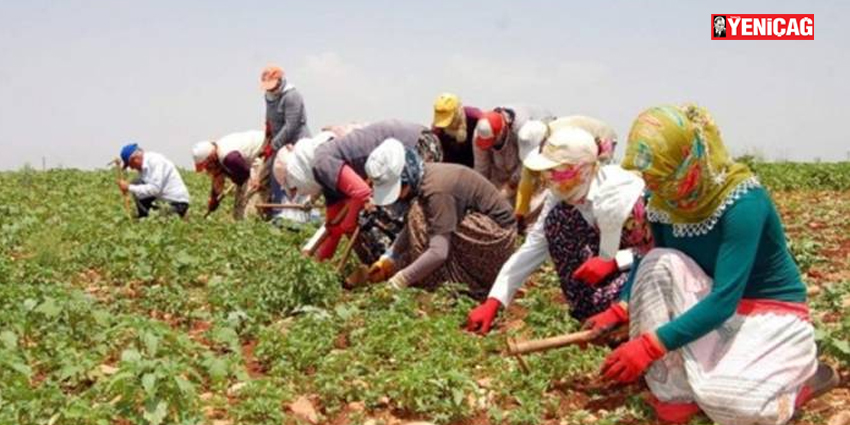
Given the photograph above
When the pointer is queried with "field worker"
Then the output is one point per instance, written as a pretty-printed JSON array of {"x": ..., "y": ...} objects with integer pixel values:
[
  {"x": 454, "y": 124},
  {"x": 293, "y": 167},
  {"x": 717, "y": 311},
  {"x": 338, "y": 168},
  {"x": 293, "y": 170},
  {"x": 458, "y": 227},
  {"x": 499, "y": 151},
  {"x": 530, "y": 192},
  {"x": 158, "y": 180},
  {"x": 238, "y": 157},
  {"x": 591, "y": 226},
  {"x": 286, "y": 123}
]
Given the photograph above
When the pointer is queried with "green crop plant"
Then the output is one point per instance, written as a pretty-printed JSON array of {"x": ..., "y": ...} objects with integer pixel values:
[{"x": 108, "y": 321}]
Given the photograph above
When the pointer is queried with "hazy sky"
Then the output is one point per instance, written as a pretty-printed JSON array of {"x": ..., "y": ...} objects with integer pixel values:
[{"x": 80, "y": 78}]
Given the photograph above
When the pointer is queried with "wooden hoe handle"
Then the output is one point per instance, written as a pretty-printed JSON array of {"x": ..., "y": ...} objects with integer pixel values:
[
  {"x": 119, "y": 175},
  {"x": 535, "y": 345},
  {"x": 283, "y": 206}
]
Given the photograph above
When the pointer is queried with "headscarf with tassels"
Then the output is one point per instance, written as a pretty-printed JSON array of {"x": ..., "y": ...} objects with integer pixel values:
[{"x": 681, "y": 155}]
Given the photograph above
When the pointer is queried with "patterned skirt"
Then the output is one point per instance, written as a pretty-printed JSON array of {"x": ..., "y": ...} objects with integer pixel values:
[
  {"x": 572, "y": 241},
  {"x": 477, "y": 250}
]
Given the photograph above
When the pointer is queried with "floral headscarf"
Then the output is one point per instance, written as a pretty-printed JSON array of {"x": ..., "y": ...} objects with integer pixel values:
[
  {"x": 681, "y": 155},
  {"x": 414, "y": 169}
]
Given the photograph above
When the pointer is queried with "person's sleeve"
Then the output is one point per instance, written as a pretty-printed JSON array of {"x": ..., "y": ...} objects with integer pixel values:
[
  {"x": 237, "y": 167},
  {"x": 430, "y": 260},
  {"x": 153, "y": 183},
  {"x": 533, "y": 252},
  {"x": 527, "y": 184},
  {"x": 352, "y": 185},
  {"x": 293, "y": 115},
  {"x": 483, "y": 161},
  {"x": 357, "y": 193},
  {"x": 399, "y": 245},
  {"x": 741, "y": 232}
]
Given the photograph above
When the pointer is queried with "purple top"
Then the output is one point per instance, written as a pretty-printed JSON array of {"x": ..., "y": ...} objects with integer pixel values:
[{"x": 236, "y": 167}]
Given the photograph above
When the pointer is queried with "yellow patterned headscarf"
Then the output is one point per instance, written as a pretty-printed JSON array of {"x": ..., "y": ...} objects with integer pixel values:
[{"x": 681, "y": 155}]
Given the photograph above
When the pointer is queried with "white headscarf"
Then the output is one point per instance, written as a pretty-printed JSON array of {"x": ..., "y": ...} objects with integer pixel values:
[
  {"x": 297, "y": 170},
  {"x": 202, "y": 150},
  {"x": 609, "y": 193},
  {"x": 611, "y": 199}
]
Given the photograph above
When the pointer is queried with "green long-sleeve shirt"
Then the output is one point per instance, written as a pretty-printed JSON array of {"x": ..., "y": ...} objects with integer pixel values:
[{"x": 746, "y": 256}]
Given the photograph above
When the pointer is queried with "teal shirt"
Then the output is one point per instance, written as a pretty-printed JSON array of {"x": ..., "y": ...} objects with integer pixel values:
[{"x": 746, "y": 256}]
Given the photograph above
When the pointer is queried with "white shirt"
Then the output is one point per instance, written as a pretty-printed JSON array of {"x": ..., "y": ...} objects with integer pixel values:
[
  {"x": 160, "y": 180},
  {"x": 612, "y": 193},
  {"x": 249, "y": 144}
]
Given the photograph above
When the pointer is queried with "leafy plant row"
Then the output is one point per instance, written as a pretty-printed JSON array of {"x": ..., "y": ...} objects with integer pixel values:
[{"x": 786, "y": 176}]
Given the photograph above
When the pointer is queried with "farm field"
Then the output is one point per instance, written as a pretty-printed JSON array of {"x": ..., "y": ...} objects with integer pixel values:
[{"x": 112, "y": 322}]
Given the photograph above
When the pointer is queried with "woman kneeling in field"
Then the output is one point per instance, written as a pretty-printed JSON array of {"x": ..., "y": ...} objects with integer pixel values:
[
  {"x": 592, "y": 221},
  {"x": 717, "y": 312},
  {"x": 458, "y": 228}
]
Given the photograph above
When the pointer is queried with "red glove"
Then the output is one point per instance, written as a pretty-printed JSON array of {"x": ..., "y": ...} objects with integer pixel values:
[
  {"x": 630, "y": 360},
  {"x": 608, "y": 319},
  {"x": 595, "y": 270},
  {"x": 481, "y": 318},
  {"x": 268, "y": 151}
]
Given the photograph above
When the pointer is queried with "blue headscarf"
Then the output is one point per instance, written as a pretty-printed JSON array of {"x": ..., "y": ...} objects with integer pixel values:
[{"x": 127, "y": 151}]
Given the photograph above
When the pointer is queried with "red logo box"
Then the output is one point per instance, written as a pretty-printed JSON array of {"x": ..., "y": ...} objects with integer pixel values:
[{"x": 732, "y": 26}]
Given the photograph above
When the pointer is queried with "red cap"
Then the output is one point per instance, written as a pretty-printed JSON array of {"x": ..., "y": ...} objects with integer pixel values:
[{"x": 488, "y": 129}]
